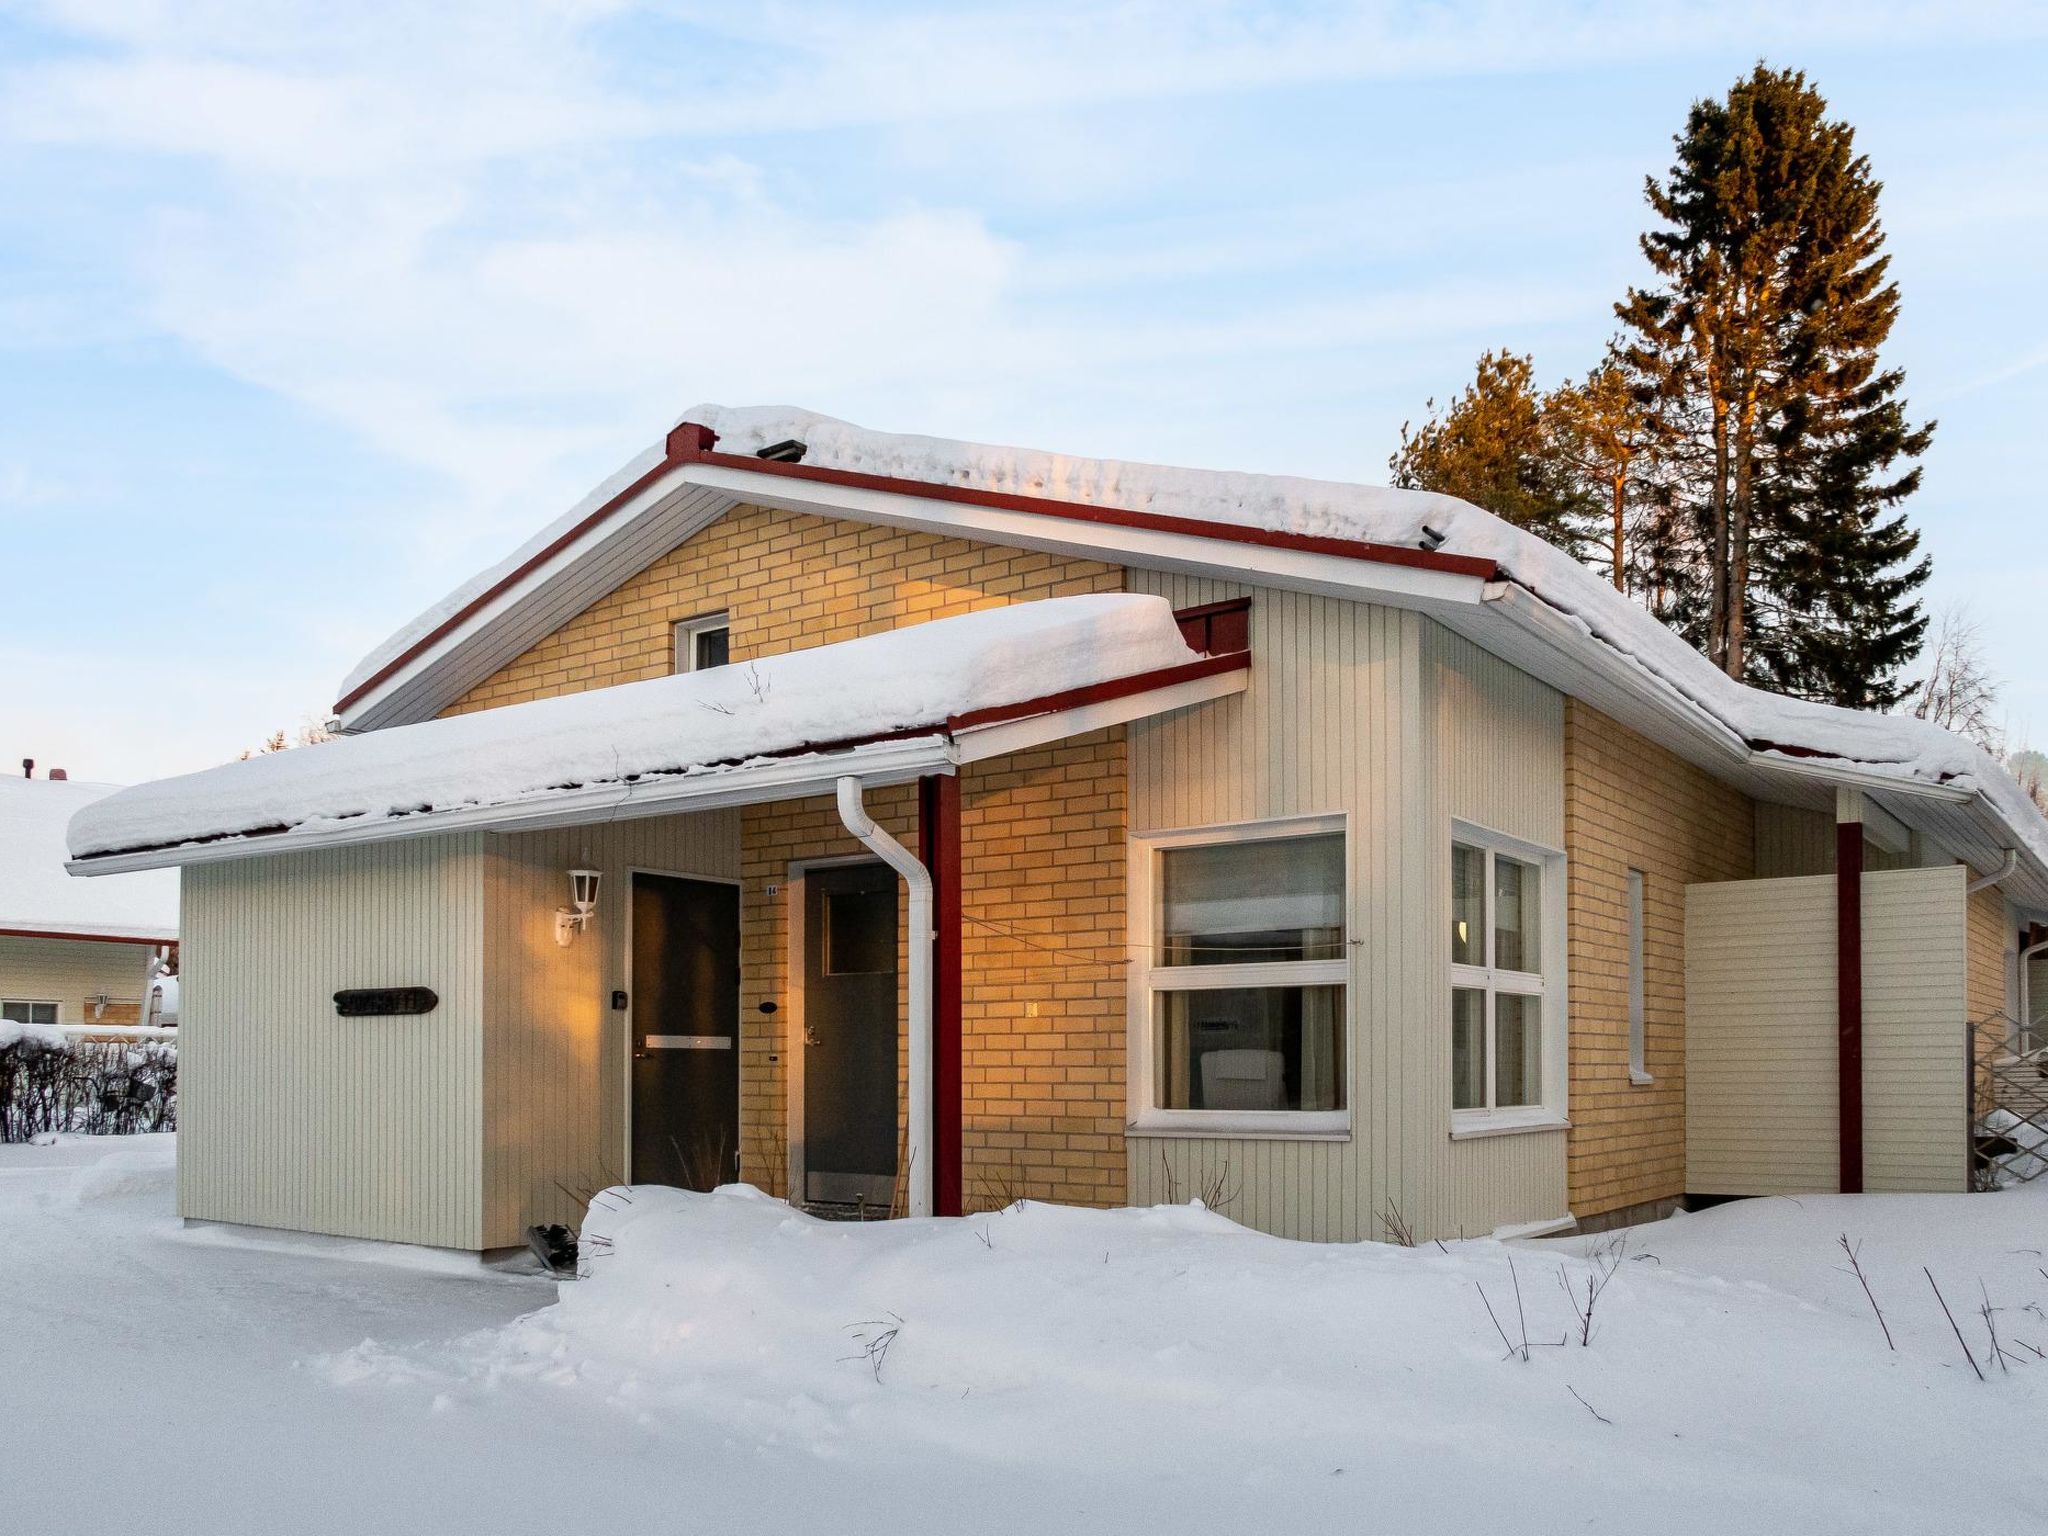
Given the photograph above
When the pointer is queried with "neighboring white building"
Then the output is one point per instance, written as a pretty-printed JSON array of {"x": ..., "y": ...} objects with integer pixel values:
[{"x": 74, "y": 951}]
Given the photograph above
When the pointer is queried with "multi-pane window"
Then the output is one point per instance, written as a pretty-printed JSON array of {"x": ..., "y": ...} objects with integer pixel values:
[
  {"x": 1244, "y": 979},
  {"x": 703, "y": 643},
  {"x": 22, "y": 1011},
  {"x": 1499, "y": 1021}
]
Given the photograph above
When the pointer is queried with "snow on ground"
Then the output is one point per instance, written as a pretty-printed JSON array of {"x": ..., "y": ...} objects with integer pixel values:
[{"x": 732, "y": 1365}]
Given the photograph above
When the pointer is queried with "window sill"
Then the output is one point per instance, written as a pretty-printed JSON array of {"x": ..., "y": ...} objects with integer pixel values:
[
  {"x": 1244, "y": 1127},
  {"x": 1511, "y": 1124}
]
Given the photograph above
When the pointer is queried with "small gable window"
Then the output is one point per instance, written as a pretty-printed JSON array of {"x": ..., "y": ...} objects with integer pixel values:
[{"x": 703, "y": 643}]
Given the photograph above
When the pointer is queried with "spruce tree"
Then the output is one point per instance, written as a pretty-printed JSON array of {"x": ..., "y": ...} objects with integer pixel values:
[
  {"x": 1500, "y": 446},
  {"x": 1793, "y": 566}
]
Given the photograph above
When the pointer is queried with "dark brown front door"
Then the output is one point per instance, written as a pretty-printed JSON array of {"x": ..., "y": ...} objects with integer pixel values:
[
  {"x": 850, "y": 1034},
  {"x": 685, "y": 1003}
]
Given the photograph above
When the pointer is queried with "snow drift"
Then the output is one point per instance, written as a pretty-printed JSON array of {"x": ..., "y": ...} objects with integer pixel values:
[{"x": 1734, "y": 1365}]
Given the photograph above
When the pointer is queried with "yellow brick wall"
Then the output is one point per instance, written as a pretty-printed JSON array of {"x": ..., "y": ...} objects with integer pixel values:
[
  {"x": 1630, "y": 804},
  {"x": 1042, "y": 833},
  {"x": 790, "y": 581},
  {"x": 1043, "y": 998},
  {"x": 1042, "y": 989},
  {"x": 1988, "y": 943}
]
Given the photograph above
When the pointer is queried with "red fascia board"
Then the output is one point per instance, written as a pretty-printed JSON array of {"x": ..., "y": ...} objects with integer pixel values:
[
  {"x": 1100, "y": 693},
  {"x": 86, "y": 938},
  {"x": 692, "y": 443},
  {"x": 1119, "y": 517},
  {"x": 511, "y": 578},
  {"x": 994, "y": 714}
]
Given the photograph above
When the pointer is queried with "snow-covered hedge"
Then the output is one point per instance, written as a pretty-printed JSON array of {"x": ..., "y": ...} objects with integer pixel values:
[{"x": 51, "y": 1082}]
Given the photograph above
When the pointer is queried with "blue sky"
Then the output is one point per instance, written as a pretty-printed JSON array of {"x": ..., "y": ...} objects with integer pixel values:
[{"x": 307, "y": 311}]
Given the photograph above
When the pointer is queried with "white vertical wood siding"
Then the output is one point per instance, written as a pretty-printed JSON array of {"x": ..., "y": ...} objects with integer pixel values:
[
  {"x": 1915, "y": 1012},
  {"x": 292, "y": 1117},
  {"x": 1760, "y": 1101},
  {"x": 1762, "y": 1109},
  {"x": 70, "y": 972},
  {"x": 554, "y": 1051},
  {"x": 1382, "y": 715}
]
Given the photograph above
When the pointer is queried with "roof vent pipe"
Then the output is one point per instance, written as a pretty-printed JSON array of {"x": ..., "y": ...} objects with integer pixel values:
[
  {"x": 917, "y": 1140},
  {"x": 28, "y": 767},
  {"x": 2004, "y": 871}
]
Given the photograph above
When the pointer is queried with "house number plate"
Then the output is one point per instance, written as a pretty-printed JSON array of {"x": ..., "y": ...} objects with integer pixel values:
[{"x": 384, "y": 1002}]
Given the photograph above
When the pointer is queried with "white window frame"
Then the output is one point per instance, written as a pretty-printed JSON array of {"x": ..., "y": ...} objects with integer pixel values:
[
  {"x": 1638, "y": 1007},
  {"x": 1148, "y": 980},
  {"x": 684, "y": 633},
  {"x": 56, "y": 1008},
  {"x": 1547, "y": 983}
]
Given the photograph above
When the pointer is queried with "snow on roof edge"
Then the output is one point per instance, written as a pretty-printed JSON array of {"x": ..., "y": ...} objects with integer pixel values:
[
  {"x": 910, "y": 679},
  {"x": 1889, "y": 745}
]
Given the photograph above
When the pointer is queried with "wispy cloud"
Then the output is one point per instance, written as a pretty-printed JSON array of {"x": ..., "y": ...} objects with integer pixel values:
[{"x": 499, "y": 244}]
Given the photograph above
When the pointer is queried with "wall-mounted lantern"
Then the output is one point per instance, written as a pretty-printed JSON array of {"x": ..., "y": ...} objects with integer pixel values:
[{"x": 582, "y": 904}]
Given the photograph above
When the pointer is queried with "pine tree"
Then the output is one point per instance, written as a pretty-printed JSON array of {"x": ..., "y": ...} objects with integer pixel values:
[
  {"x": 1499, "y": 445},
  {"x": 1607, "y": 430},
  {"x": 1791, "y": 564}
]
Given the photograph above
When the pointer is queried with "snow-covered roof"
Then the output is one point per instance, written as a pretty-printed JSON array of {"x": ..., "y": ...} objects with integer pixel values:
[
  {"x": 37, "y": 896},
  {"x": 1679, "y": 690},
  {"x": 643, "y": 742}
]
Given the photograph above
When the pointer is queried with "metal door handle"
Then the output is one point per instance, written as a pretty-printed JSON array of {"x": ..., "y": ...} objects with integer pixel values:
[{"x": 811, "y": 1036}]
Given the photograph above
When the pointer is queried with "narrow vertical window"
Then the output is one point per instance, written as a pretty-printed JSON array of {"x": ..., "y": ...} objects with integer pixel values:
[
  {"x": 1507, "y": 1038},
  {"x": 1638, "y": 1068}
]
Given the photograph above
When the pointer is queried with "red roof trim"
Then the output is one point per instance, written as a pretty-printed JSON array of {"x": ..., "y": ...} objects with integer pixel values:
[
  {"x": 994, "y": 714},
  {"x": 85, "y": 938},
  {"x": 1100, "y": 693},
  {"x": 692, "y": 443},
  {"x": 1119, "y": 517},
  {"x": 463, "y": 614}
]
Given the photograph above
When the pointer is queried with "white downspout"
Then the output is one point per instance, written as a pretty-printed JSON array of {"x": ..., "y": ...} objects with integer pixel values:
[
  {"x": 2023, "y": 1026},
  {"x": 918, "y": 1133},
  {"x": 2003, "y": 872}
]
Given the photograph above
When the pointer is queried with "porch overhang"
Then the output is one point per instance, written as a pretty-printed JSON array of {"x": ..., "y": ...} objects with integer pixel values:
[{"x": 668, "y": 760}]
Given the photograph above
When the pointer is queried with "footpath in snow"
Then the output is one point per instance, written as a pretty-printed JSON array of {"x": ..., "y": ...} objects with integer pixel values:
[{"x": 729, "y": 1364}]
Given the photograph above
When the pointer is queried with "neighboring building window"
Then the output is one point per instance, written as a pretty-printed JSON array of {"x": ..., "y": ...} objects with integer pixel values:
[
  {"x": 21, "y": 1011},
  {"x": 704, "y": 643},
  {"x": 1506, "y": 1011},
  {"x": 1638, "y": 1067},
  {"x": 1243, "y": 979}
]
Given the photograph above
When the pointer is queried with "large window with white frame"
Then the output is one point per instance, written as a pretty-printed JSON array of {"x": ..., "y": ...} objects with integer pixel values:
[
  {"x": 1242, "y": 979},
  {"x": 1507, "y": 1003}
]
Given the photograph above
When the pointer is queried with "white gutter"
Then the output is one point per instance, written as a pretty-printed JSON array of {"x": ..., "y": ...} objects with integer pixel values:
[
  {"x": 752, "y": 783},
  {"x": 918, "y": 1131},
  {"x": 1578, "y": 646},
  {"x": 1997, "y": 876}
]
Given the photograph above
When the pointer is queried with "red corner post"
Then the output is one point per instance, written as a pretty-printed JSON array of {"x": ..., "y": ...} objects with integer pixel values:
[
  {"x": 938, "y": 836},
  {"x": 1849, "y": 991}
]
